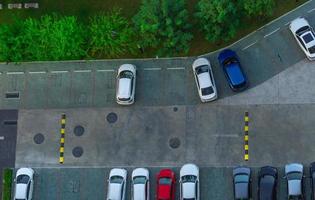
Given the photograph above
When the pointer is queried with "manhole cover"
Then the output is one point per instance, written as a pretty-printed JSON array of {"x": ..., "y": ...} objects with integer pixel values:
[
  {"x": 78, "y": 130},
  {"x": 112, "y": 117},
  {"x": 174, "y": 143},
  {"x": 77, "y": 151},
  {"x": 175, "y": 109},
  {"x": 39, "y": 138}
]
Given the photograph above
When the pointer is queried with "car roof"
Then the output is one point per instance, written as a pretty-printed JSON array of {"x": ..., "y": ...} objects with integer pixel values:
[
  {"x": 114, "y": 192},
  {"x": 241, "y": 190},
  {"x": 189, "y": 190},
  {"x": 294, "y": 187},
  {"x": 20, "y": 191},
  {"x": 164, "y": 191},
  {"x": 235, "y": 74},
  {"x": 139, "y": 192},
  {"x": 204, "y": 80},
  {"x": 266, "y": 185},
  {"x": 124, "y": 90}
]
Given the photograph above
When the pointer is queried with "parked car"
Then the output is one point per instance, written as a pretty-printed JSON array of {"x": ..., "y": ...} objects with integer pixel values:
[
  {"x": 232, "y": 69},
  {"x": 294, "y": 176},
  {"x": 304, "y": 35},
  {"x": 126, "y": 84},
  {"x": 140, "y": 184},
  {"x": 241, "y": 183},
  {"x": 204, "y": 80},
  {"x": 24, "y": 183},
  {"x": 267, "y": 183},
  {"x": 117, "y": 184},
  {"x": 189, "y": 182},
  {"x": 312, "y": 173},
  {"x": 165, "y": 189}
]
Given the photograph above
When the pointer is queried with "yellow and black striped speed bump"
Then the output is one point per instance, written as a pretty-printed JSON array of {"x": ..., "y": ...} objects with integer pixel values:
[
  {"x": 62, "y": 138},
  {"x": 246, "y": 129}
]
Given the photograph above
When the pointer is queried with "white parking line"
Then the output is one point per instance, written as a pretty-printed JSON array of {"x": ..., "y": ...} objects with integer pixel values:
[
  {"x": 152, "y": 69},
  {"x": 286, "y": 24},
  {"x": 311, "y": 10},
  {"x": 59, "y": 72},
  {"x": 251, "y": 44},
  {"x": 1, "y": 137},
  {"x": 39, "y": 72},
  {"x": 82, "y": 71},
  {"x": 272, "y": 32},
  {"x": 105, "y": 70},
  {"x": 176, "y": 68},
  {"x": 227, "y": 135},
  {"x": 15, "y": 72}
]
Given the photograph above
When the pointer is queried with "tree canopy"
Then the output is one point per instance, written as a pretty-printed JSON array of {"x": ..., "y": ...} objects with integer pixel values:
[{"x": 258, "y": 7}]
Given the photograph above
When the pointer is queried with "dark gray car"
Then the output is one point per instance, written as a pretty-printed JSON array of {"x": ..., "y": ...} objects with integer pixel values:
[{"x": 241, "y": 183}]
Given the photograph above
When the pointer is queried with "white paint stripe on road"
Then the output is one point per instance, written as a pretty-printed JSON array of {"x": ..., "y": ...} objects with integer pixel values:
[
  {"x": 105, "y": 70},
  {"x": 82, "y": 71},
  {"x": 176, "y": 68},
  {"x": 286, "y": 24},
  {"x": 152, "y": 69},
  {"x": 1, "y": 137},
  {"x": 39, "y": 72},
  {"x": 251, "y": 44},
  {"x": 272, "y": 32},
  {"x": 227, "y": 135},
  {"x": 311, "y": 10},
  {"x": 15, "y": 72},
  {"x": 59, "y": 72}
]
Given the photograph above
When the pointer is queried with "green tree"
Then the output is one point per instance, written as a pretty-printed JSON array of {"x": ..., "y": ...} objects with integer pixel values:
[
  {"x": 258, "y": 7},
  {"x": 110, "y": 35},
  {"x": 218, "y": 18},
  {"x": 163, "y": 24}
]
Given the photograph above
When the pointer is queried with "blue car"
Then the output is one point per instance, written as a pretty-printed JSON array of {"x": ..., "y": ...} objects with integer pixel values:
[{"x": 233, "y": 71}]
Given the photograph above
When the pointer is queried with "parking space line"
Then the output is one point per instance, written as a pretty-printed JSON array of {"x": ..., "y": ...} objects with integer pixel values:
[
  {"x": 311, "y": 10},
  {"x": 286, "y": 24},
  {"x": 246, "y": 129},
  {"x": 59, "y": 72},
  {"x": 226, "y": 135},
  {"x": 152, "y": 69},
  {"x": 251, "y": 44},
  {"x": 105, "y": 70},
  {"x": 83, "y": 71},
  {"x": 39, "y": 72},
  {"x": 272, "y": 32},
  {"x": 62, "y": 138},
  {"x": 15, "y": 72},
  {"x": 1, "y": 137},
  {"x": 176, "y": 68}
]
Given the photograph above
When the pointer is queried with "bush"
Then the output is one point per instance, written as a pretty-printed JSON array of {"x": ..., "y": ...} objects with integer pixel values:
[{"x": 7, "y": 184}]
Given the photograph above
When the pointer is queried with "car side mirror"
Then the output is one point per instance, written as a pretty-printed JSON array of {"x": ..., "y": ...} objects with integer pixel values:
[{"x": 284, "y": 177}]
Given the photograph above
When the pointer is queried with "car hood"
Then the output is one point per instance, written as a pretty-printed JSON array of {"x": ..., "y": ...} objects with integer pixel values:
[
  {"x": 189, "y": 169},
  {"x": 114, "y": 191},
  {"x": 293, "y": 167},
  {"x": 241, "y": 191},
  {"x": 294, "y": 187},
  {"x": 164, "y": 191},
  {"x": 140, "y": 172},
  {"x": 20, "y": 192},
  {"x": 297, "y": 24},
  {"x": 189, "y": 190},
  {"x": 235, "y": 74},
  {"x": 124, "y": 88},
  {"x": 127, "y": 67},
  {"x": 139, "y": 192},
  {"x": 26, "y": 171},
  {"x": 225, "y": 54}
]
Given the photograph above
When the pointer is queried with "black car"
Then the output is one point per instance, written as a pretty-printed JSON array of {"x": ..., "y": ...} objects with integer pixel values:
[
  {"x": 312, "y": 173},
  {"x": 267, "y": 183},
  {"x": 241, "y": 183}
]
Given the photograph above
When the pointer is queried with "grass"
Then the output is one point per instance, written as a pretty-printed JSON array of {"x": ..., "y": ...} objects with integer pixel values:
[
  {"x": 83, "y": 9},
  {"x": 7, "y": 184}
]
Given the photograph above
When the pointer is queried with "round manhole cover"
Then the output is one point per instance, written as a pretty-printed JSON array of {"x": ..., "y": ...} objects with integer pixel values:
[
  {"x": 78, "y": 130},
  {"x": 174, "y": 143},
  {"x": 112, "y": 117},
  {"x": 77, "y": 151},
  {"x": 39, "y": 138},
  {"x": 175, "y": 109}
]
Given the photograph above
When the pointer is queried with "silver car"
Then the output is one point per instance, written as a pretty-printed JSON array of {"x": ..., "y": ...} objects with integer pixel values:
[{"x": 294, "y": 176}]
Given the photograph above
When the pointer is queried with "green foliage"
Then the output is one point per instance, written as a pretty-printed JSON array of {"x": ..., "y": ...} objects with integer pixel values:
[
  {"x": 258, "y": 7},
  {"x": 163, "y": 24},
  {"x": 218, "y": 18},
  {"x": 6, "y": 184},
  {"x": 110, "y": 35}
]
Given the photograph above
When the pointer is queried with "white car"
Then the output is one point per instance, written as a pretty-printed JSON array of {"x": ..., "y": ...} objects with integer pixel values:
[
  {"x": 126, "y": 84},
  {"x": 117, "y": 184},
  {"x": 204, "y": 80},
  {"x": 304, "y": 34},
  {"x": 24, "y": 183},
  {"x": 189, "y": 182},
  {"x": 140, "y": 184}
]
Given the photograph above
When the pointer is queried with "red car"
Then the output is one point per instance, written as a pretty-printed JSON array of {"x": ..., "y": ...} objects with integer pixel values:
[{"x": 165, "y": 189}]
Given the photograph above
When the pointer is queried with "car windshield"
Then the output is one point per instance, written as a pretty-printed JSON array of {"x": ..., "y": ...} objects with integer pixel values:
[
  {"x": 189, "y": 178},
  {"x": 294, "y": 176},
  {"x": 202, "y": 69},
  {"x": 126, "y": 74},
  {"x": 139, "y": 180},
  {"x": 312, "y": 49},
  {"x": 165, "y": 181},
  {"x": 308, "y": 38},
  {"x": 116, "y": 179},
  {"x": 22, "y": 179},
  {"x": 207, "y": 91},
  {"x": 242, "y": 178},
  {"x": 302, "y": 30},
  {"x": 229, "y": 61}
]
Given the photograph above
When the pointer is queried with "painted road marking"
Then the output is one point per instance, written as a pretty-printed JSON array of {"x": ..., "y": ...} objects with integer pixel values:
[
  {"x": 176, "y": 68},
  {"x": 272, "y": 32},
  {"x": 246, "y": 129},
  {"x": 59, "y": 72},
  {"x": 1, "y": 137},
  {"x": 82, "y": 71},
  {"x": 152, "y": 69},
  {"x": 286, "y": 24},
  {"x": 251, "y": 44},
  {"x": 311, "y": 10},
  {"x": 226, "y": 135},
  {"x": 62, "y": 138},
  {"x": 15, "y": 72},
  {"x": 105, "y": 70},
  {"x": 39, "y": 72}
]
